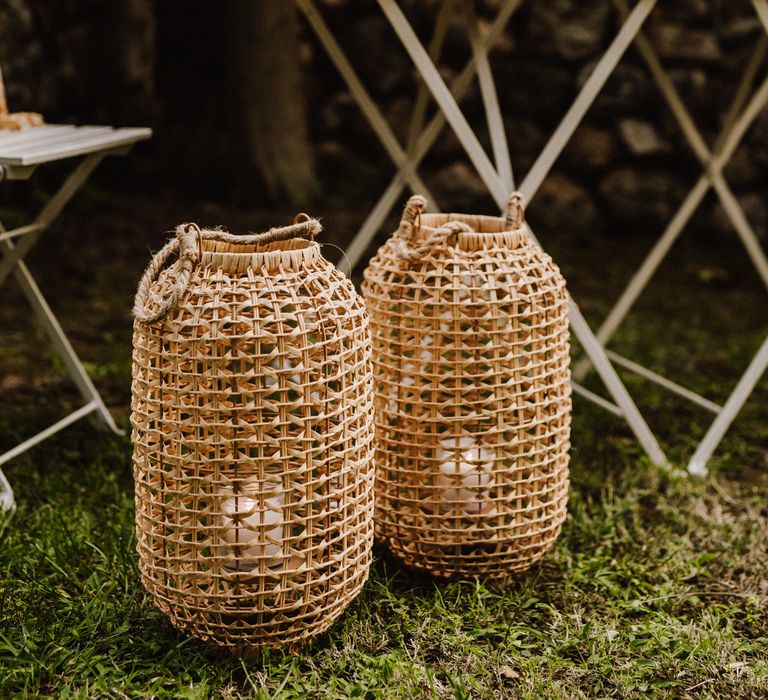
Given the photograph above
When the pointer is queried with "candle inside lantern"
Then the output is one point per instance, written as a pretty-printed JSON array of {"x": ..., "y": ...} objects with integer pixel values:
[
  {"x": 258, "y": 530},
  {"x": 446, "y": 321},
  {"x": 426, "y": 353},
  {"x": 280, "y": 364},
  {"x": 463, "y": 474},
  {"x": 254, "y": 529}
]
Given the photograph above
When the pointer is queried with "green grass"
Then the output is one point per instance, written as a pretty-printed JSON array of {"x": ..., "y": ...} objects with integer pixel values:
[
  {"x": 657, "y": 584},
  {"x": 657, "y": 587}
]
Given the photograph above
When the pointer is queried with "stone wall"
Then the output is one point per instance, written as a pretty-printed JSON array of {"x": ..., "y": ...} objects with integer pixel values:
[
  {"x": 628, "y": 166},
  {"x": 80, "y": 60}
]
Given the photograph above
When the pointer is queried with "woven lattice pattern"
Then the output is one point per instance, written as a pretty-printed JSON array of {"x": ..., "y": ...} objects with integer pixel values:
[
  {"x": 252, "y": 427},
  {"x": 471, "y": 368}
]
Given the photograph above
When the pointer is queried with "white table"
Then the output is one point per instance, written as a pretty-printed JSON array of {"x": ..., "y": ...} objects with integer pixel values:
[
  {"x": 498, "y": 177},
  {"x": 21, "y": 152}
]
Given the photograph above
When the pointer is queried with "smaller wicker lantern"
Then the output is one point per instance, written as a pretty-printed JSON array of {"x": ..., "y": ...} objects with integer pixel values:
[
  {"x": 473, "y": 400},
  {"x": 252, "y": 421}
]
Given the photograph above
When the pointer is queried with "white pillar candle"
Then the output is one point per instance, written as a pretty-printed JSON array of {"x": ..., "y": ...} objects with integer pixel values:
[
  {"x": 258, "y": 531},
  {"x": 282, "y": 364},
  {"x": 426, "y": 353},
  {"x": 409, "y": 370},
  {"x": 464, "y": 473},
  {"x": 446, "y": 321}
]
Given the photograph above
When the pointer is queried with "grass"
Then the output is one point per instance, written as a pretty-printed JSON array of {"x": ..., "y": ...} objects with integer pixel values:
[{"x": 657, "y": 587}]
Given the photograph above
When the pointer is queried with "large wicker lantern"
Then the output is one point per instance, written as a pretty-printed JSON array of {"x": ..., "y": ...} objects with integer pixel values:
[
  {"x": 252, "y": 428},
  {"x": 472, "y": 393}
]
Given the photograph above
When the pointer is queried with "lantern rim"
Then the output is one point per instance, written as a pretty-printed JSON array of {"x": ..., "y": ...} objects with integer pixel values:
[
  {"x": 486, "y": 230},
  {"x": 291, "y": 254}
]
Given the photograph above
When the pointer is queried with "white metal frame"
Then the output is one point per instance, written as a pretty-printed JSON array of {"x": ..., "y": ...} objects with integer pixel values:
[
  {"x": 16, "y": 243},
  {"x": 498, "y": 178},
  {"x": 741, "y": 114},
  {"x": 407, "y": 164}
]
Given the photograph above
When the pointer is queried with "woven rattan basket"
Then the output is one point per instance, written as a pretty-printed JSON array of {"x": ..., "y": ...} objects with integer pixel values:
[
  {"x": 473, "y": 403},
  {"x": 252, "y": 425}
]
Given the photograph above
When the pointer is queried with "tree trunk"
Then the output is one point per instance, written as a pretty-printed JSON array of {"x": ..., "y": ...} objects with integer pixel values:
[
  {"x": 131, "y": 50},
  {"x": 270, "y": 80}
]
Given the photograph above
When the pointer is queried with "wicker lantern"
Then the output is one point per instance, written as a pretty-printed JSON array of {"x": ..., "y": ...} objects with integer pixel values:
[
  {"x": 472, "y": 393},
  {"x": 252, "y": 421}
]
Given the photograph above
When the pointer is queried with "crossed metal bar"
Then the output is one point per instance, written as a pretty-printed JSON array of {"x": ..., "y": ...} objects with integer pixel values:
[
  {"x": 739, "y": 118},
  {"x": 499, "y": 181},
  {"x": 406, "y": 166},
  {"x": 735, "y": 126}
]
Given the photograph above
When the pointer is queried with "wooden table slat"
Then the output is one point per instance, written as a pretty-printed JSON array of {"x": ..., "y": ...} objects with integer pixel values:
[
  {"x": 50, "y": 140},
  {"x": 11, "y": 138},
  {"x": 67, "y": 144}
]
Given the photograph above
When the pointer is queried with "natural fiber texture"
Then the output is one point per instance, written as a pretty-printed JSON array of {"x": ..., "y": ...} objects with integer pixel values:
[
  {"x": 473, "y": 399},
  {"x": 252, "y": 428},
  {"x": 15, "y": 121}
]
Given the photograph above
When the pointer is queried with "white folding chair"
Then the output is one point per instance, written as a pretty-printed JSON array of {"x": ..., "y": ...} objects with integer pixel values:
[
  {"x": 497, "y": 177},
  {"x": 21, "y": 152},
  {"x": 741, "y": 114}
]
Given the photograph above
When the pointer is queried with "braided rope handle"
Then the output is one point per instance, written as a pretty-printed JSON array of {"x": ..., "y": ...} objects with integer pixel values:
[
  {"x": 187, "y": 245},
  {"x": 410, "y": 224},
  {"x": 515, "y": 216}
]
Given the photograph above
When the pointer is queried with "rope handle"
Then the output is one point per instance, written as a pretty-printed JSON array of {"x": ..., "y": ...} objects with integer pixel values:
[
  {"x": 187, "y": 245},
  {"x": 410, "y": 224},
  {"x": 515, "y": 216},
  {"x": 412, "y": 212}
]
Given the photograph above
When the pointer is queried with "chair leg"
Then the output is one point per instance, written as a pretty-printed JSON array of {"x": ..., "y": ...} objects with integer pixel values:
[
  {"x": 359, "y": 93},
  {"x": 60, "y": 341},
  {"x": 739, "y": 118},
  {"x": 11, "y": 261},
  {"x": 589, "y": 91},
  {"x": 734, "y": 404},
  {"x": 417, "y": 147},
  {"x": 48, "y": 213},
  {"x": 490, "y": 99},
  {"x": 596, "y": 352},
  {"x": 7, "y": 501}
]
